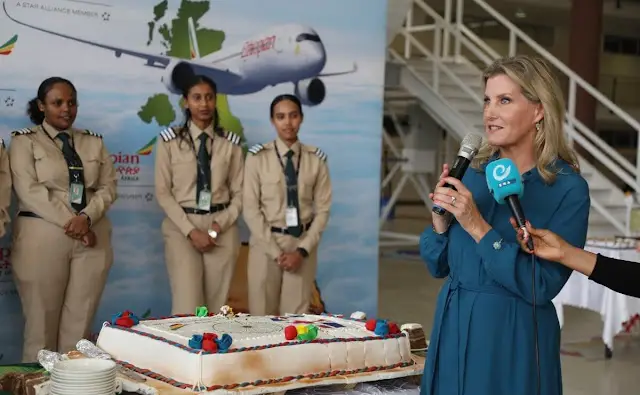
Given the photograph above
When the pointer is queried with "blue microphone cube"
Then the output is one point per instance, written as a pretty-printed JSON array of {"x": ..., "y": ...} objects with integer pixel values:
[{"x": 503, "y": 180}]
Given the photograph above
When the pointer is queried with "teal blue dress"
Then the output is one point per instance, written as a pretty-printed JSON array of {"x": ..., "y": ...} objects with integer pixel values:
[{"x": 482, "y": 342}]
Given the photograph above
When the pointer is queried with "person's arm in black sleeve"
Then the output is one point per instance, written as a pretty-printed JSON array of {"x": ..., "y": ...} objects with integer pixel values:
[{"x": 618, "y": 275}]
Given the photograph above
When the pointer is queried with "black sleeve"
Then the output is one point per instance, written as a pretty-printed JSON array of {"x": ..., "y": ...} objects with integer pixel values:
[{"x": 618, "y": 275}]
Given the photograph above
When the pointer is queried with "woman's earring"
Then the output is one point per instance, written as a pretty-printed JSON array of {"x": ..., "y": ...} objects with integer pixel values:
[{"x": 538, "y": 126}]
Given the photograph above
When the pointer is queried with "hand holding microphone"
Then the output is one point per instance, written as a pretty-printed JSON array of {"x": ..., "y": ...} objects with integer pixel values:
[
  {"x": 505, "y": 184},
  {"x": 459, "y": 202}
]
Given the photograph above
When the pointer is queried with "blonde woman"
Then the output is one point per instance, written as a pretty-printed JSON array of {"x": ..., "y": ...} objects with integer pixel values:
[{"x": 483, "y": 340}]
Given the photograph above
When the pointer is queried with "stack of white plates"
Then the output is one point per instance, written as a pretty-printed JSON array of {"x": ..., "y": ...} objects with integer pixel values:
[{"x": 83, "y": 376}]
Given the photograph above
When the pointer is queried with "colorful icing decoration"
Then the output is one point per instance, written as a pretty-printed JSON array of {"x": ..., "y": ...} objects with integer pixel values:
[
  {"x": 290, "y": 332},
  {"x": 227, "y": 311},
  {"x": 371, "y": 325},
  {"x": 202, "y": 311},
  {"x": 125, "y": 319},
  {"x": 382, "y": 327},
  {"x": 175, "y": 327},
  {"x": 301, "y": 332},
  {"x": 210, "y": 342}
]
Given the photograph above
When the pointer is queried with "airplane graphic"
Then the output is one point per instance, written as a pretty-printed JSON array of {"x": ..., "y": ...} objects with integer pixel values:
[
  {"x": 7, "y": 48},
  {"x": 289, "y": 53}
]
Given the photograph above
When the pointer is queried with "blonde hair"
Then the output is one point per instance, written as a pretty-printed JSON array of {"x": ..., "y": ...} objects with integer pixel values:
[{"x": 539, "y": 86}]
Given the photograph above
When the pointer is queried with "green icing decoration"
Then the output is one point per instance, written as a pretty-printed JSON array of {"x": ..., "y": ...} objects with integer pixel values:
[
  {"x": 202, "y": 311},
  {"x": 311, "y": 333}
]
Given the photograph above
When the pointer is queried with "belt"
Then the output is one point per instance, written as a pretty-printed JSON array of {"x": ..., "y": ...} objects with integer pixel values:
[
  {"x": 214, "y": 209},
  {"x": 454, "y": 284},
  {"x": 28, "y": 214},
  {"x": 285, "y": 231}
]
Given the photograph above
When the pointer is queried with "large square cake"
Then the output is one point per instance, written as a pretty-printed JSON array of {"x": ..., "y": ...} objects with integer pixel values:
[{"x": 225, "y": 352}]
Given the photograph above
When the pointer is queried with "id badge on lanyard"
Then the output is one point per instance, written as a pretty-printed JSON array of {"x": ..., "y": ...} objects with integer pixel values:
[
  {"x": 76, "y": 189},
  {"x": 291, "y": 217},
  {"x": 204, "y": 200}
]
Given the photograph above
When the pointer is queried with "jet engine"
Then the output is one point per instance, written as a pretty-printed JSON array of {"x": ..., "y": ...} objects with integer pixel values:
[
  {"x": 311, "y": 92},
  {"x": 177, "y": 75}
]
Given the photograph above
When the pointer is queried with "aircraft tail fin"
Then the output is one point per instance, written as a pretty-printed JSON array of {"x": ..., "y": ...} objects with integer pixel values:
[
  {"x": 7, "y": 48},
  {"x": 193, "y": 40}
]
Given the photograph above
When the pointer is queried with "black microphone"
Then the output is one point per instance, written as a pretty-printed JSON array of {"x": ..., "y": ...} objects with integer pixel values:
[{"x": 468, "y": 149}]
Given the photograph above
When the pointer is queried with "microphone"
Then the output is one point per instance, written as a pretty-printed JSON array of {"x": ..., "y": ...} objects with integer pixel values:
[
  {"x": 505, "y": 184},
  {"x": 468, "y": 149}
]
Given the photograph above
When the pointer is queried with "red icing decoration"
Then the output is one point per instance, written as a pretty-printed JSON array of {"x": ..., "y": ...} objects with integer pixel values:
[
  {"x": 209, "y": 345},
  {"x": 209, "y": 336},
  {"x": 125, "y": 321},
  {"x": 290, "y": 332},
  {"x": 393, "y": 328},
  {"x": 371, "y": 325},
  {"x": 126, "y": 313}
]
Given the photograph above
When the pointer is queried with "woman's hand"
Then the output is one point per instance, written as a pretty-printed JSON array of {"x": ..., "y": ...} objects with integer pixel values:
[
  {"x": 77, "y": 226},
  {"x": 546, "y": 244},
  {"x": 460, "y": 203},
  {"x": 440, "y": 222},
  {"x": 201, "y": 241}
]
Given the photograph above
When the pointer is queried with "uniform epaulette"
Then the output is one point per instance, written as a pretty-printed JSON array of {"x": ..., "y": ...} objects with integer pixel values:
[
  {"x": 234, "y": 138},
  {"x": 90, "y": 133},
  {"x": 256, "y": 148},
  {"x": 21, "y": 131},
  {"x": 320, "y": 154},
  {"x": 168, "y": 134}
]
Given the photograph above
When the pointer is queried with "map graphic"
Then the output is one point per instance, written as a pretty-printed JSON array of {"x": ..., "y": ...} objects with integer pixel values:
[{"x": 173, "y": 35}]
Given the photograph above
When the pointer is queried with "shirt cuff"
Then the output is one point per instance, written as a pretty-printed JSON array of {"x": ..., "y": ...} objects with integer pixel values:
[{"x": 489, "y": 244}]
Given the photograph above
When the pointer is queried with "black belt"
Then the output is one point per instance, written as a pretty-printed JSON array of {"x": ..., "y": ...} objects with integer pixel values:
[
  {"x": 28, "y": 214},
  {"x": 285, "y": 231},
  {"x": 214, "y": 209}
]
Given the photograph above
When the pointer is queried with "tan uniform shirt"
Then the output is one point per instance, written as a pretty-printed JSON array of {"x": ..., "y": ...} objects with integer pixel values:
[
  {"x": 176, "y": 175},
  {"x": 265, "y": 193},
  {"x": 5, "y": 189},
  {"x": 41, "y": 175}
]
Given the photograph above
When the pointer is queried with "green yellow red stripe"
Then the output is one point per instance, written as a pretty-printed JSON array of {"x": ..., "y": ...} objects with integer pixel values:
[{"x": 7, "y": 48}]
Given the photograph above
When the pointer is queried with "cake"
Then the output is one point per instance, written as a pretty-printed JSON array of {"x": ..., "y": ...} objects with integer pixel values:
[
  {"x": 417, "y": 339},
  {"x": 225, "y": 351}
]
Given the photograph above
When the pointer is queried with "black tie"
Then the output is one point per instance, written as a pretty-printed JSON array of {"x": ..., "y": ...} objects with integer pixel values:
[
  {"x": 204, "y": 167},
  {"x": 292, "y": 192},
  {"x": 76, "y": 173}
]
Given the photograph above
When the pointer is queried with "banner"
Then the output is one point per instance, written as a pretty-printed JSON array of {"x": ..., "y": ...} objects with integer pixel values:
[{"x": 121, "y": 56}]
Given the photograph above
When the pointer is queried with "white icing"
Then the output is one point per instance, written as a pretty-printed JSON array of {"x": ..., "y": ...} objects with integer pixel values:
[{"x": 193, "y": 368}]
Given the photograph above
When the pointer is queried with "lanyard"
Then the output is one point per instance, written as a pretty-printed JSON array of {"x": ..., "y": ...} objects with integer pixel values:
[{"x": 280, "y": 157}]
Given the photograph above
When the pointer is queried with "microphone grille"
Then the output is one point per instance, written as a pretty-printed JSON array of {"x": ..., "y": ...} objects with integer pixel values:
[
  {"x": 472, "y": 141},
  {"x": 470, "y": 145}
]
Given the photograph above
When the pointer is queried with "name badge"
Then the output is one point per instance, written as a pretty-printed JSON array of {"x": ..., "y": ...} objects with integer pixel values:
[
  {"x": 204, "y": 201},
  {"x": 291, "y": 217},
  {"x": 75, "y": 193}
]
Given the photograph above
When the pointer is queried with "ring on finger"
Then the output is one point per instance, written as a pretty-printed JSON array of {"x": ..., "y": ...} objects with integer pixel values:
[{"x": 453, "y": 201}]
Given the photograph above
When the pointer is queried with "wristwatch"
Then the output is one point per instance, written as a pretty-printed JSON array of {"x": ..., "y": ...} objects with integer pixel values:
[{"x": 303, "y": 252}]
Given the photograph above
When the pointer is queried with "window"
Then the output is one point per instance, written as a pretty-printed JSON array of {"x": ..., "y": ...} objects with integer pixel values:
[{"x": 621, "y": 45}]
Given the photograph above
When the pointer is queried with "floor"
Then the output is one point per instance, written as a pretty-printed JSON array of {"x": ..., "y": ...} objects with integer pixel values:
[{"x": 407, "y": 293}]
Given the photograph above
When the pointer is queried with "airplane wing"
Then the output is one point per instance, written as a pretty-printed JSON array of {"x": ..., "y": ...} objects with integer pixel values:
[
  {"x": 353, "y": 70},
  {"x": 152, "y": 60}
]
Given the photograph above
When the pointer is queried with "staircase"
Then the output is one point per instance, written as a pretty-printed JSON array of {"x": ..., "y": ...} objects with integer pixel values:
[{"x": 446, "y": 83}]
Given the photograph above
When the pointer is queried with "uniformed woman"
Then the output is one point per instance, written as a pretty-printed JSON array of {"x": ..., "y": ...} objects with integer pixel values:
[
  {"x": 287, "y": 197},
  {"x": 5, "y": 189},
  {"x": 199, "y": 173},
  {"x": 65, "y": 182}
]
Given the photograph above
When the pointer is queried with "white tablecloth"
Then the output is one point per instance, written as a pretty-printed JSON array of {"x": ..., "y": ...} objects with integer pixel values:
[{"x": 614, "y": 308}]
